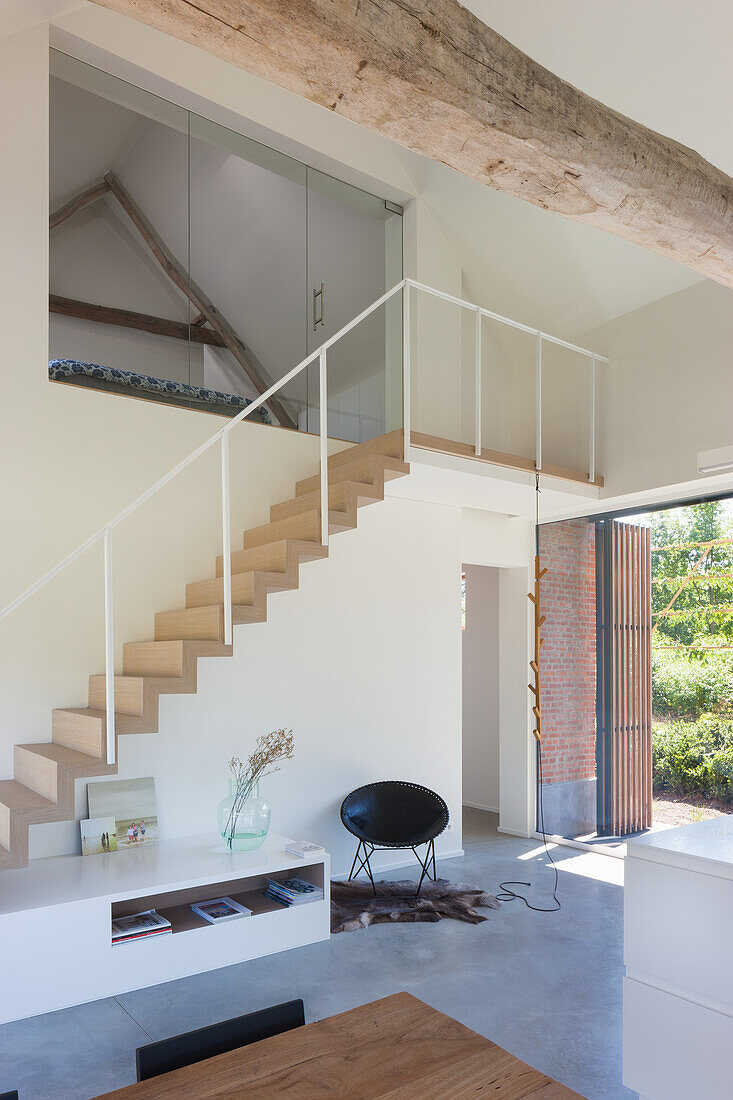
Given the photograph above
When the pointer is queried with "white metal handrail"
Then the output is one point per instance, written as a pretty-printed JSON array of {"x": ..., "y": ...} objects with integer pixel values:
[
  {"x": 541, "y": 338},
  {"x": 104, "y": 534}
]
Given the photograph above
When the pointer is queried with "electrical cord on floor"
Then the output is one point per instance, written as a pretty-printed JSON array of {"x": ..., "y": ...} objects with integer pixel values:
[{"x": 505, "y": 894}]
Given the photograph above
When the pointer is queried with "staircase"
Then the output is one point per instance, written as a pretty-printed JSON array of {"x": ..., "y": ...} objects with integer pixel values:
[{"x": 43, "y": 785}]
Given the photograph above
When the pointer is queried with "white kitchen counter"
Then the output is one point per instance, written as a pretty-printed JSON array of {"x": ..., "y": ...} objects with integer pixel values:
[
  {"x": 678, "y": 951},
  {"x": 702, "y": 843}
]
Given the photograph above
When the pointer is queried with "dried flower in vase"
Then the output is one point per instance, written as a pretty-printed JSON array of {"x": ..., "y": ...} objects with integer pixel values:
[{"x": 270, "y": 749}]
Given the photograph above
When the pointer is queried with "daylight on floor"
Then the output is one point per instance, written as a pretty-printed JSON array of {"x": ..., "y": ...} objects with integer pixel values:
[{"x": 366, "y": 603}]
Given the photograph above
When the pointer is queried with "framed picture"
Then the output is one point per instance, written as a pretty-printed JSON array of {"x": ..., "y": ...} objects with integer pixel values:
[
  {"x": 98, "y": 834},
  {"x": 132, "y": 804}
]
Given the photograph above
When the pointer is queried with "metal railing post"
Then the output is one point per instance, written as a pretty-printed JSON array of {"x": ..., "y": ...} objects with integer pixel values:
[
  {"x": 538, "y": 420},
  {"x": 592, "y": 436},
  {"x": 109, "y": 649},
  {"x": 478, "y": 382},
  {"x": 323, "y": 423},
  {"x": 406, "y": 367},
  {"x": 226, "y": 538}
]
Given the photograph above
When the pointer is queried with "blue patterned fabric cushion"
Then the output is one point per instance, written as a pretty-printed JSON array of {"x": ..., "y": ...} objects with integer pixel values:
[{"x": 59, "y": 369}]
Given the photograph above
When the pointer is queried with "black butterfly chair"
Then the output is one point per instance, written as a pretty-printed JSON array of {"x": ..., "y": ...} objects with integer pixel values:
[
  {"x": 206, "y": 1042},
  {"x": 394, "y": 814}
]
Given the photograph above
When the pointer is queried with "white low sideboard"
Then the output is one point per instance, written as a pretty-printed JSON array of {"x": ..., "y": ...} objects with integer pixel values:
[
  {"x": 56, "y": 914},
  {"x": 678, "y": 951}
]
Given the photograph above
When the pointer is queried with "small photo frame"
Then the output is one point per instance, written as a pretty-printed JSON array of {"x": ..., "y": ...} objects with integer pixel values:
[
  {"x": 98, "y": 835},
  {"x": 132, "y": 803}
]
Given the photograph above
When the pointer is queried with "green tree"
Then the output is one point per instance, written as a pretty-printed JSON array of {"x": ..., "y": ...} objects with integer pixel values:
[{"x": 700, "y": 614}]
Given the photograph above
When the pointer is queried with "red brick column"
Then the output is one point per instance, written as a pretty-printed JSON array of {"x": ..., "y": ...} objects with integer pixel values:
[{"x": 568, "y": 659}]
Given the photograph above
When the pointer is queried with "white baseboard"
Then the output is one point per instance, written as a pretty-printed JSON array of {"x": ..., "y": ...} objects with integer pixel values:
[
  {"x": 482, "y": 806},
  {"x": 439, "y": 857},
  {"x": 513, "y": 832},
  {"x": 581, "y": 845}
]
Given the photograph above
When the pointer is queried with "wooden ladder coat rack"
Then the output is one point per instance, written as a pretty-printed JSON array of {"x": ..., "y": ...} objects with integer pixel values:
[{"x": 539, "y": 620}]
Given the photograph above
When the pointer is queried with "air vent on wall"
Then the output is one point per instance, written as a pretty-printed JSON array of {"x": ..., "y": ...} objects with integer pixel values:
[{"x": 713, "y": 462}]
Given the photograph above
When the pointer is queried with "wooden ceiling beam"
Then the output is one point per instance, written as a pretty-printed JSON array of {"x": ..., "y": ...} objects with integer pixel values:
[
  {"x": 431, "y": 76},
  {"x": 128, "y": 318},
  {"x": 84, "y": 198}
]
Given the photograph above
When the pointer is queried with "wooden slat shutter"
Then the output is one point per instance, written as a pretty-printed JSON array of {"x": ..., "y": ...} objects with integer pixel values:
[{"x": 624, "y": 756}]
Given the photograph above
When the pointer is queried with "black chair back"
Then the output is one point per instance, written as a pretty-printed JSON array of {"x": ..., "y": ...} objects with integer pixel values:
[
  {"x": 394, "y": 814},
  {"x": 206, "y": 1042},
  {"x": 9, "y": 1095}
]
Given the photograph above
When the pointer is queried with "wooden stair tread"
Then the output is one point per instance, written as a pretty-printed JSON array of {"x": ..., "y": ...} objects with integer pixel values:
[
  {"x": 9, "y": 861},
  {"x": 342, "y": 497},
  {"x": 273, "y": 557},
  {"x": 304, "y": 525},
  {"x": 169, "y": 659},
  {"x": 162, "y": 684},
  {"x": 124, "y": 721},
  {"x": 390, "y": 445},
  {"x": 247, "y": 588},
  {"x": 16, "y": 796},
  {"x": 365, "y": 469},
  {"x": 60, "y": 754}
]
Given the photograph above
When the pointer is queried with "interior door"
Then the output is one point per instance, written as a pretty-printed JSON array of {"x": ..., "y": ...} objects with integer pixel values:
[
  {"x": 354, "y": 255},
  {"x": 624, "y": 688}
]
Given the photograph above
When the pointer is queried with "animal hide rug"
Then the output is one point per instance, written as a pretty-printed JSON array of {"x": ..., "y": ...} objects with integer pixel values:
[{"x": 353, "y": 904}]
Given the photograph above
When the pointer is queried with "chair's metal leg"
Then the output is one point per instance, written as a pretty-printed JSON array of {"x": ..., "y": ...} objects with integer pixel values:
[
  {"x": 432, "y": 852},
  {"x": 425, "y": 865},
  {"x": 369, "y": 868},
  {"x": 353, "y": 865},
  {"x": 364, "y": 864}
]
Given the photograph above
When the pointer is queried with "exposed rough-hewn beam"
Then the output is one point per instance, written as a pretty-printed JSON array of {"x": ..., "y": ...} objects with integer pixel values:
[
  {"x": 77, "y": 203},
  {"x": 128, "y": 318},
  {"x": 434, "y": 78}
]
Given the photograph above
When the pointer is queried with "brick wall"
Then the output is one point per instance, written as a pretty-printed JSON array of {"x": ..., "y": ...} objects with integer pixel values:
[{"x": 568, "y": 665}]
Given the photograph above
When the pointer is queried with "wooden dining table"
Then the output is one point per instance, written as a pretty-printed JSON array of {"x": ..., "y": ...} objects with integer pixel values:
[{"x": 397, "y": 1048}]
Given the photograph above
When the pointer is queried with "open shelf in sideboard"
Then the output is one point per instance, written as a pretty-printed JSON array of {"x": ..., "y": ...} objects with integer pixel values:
[{"x": 175, "y": 905}]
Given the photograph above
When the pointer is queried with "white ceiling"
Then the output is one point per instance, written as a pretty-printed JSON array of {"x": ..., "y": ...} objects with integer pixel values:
[{"x": 665, "y": 63}]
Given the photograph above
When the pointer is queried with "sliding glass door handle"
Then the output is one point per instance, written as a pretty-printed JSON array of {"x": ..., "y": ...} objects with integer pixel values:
[{"x": 318, "y": 307}]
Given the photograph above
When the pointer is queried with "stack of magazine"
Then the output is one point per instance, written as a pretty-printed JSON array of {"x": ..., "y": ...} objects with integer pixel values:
[
  {"x": 292, "y": 891},
  {"x": 302, "y": 848},
  {"x": 218, "y": 910},
  {"x": 139, "y": 926}
]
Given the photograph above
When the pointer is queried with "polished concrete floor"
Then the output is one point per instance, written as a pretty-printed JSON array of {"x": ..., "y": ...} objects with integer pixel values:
[{"x": 547, "y": 987}]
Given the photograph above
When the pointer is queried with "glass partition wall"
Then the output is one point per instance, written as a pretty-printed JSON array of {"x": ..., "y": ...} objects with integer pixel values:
[{"x": 193, "y": 265}]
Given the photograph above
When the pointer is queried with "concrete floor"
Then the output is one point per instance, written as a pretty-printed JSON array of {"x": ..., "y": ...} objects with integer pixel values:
[{"x": 547, "y": 987}]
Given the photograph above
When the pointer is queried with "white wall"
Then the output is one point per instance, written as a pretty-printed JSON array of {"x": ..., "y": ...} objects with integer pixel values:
[
  {"x": 481, "y": 719},
  {"x": 667, "y": 393}
]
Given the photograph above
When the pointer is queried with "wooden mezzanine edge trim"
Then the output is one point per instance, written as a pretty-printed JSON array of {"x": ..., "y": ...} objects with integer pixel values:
[{"x": 499, "y": 458}]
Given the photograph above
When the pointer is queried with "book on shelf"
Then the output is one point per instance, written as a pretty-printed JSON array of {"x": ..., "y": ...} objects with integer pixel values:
[
  {"x": 218, "y": 910},
  {"x": 139, "y": 926},
  {"x": 303, "y": 848},
  {"x": 292, "y": 891}
]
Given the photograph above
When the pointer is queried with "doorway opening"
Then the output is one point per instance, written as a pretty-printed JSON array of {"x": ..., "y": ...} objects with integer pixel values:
[{"x": 481, "y": 686}]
